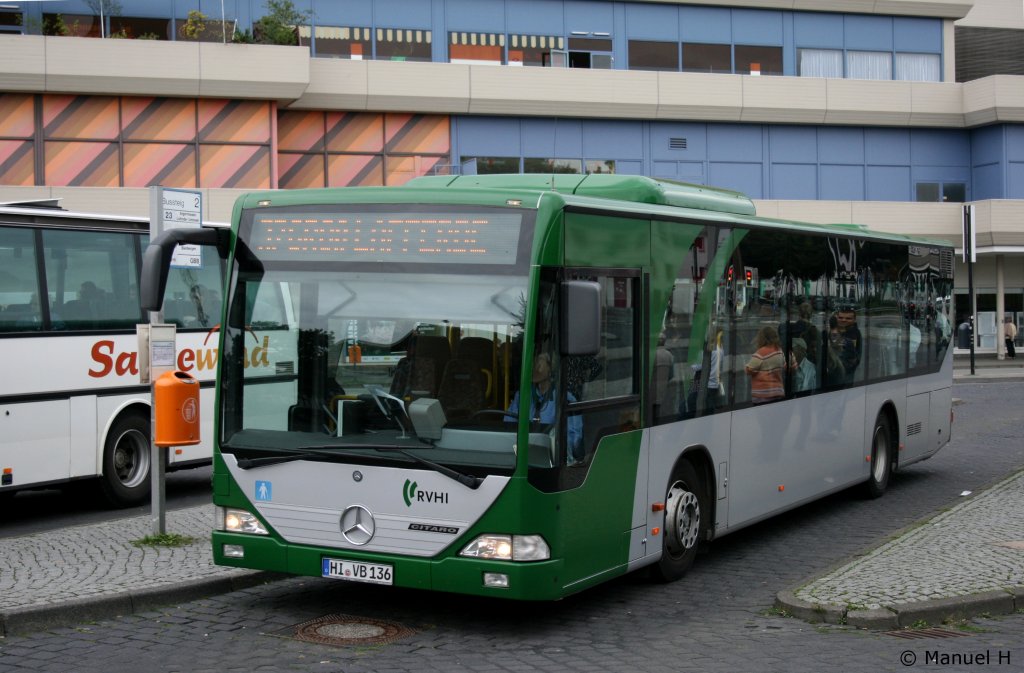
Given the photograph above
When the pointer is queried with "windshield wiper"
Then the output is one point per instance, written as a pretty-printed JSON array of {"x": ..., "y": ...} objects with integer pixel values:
[
  {"x": 467, "y": 480},
  {"x": 287, "y": 455}
]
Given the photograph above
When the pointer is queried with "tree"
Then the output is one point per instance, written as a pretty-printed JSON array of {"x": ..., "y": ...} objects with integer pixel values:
[{"x": 278, "y": 25}]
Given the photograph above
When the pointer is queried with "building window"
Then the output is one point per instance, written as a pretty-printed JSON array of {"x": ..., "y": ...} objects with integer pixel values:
[
  {"x": 951, "y": 192},
  {"x": 918, "y": 67},
  {"x": 586, "y": 52},
  {"x": 820, "y": 63},
  {"x": 489, "y": 165},
  {"x": 599, "y": 166},
  {"x": 142, "y": 28},
  {"x": 707, "y": 58},
  {"x": 533, "y": 49},
  {"x": 552, "y": 166},
  {"x": 354, "y": 43},
  {"x": 11, "y": 22},
  {"x": 476, "y": 48},
  {"x": 71, "y": 25},
  {"x": 868, "y": 65},
  {"x": 400, "y": 44},
  {"x": 647, "y": 55},
  {"x": 758, "y": 60}
]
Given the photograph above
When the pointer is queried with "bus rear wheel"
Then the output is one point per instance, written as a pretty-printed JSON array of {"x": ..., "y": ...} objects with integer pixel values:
[
  {"x": 126, "y": 459},
  {"x": 686, "y": 523},
  {"x": 881, "y": 459}
]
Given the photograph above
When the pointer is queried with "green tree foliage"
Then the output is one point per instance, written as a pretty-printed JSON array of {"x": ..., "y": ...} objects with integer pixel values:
[{"x": 278, "y": 26}]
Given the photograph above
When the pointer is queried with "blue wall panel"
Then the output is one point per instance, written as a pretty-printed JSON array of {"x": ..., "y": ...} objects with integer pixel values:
[
  {"x": 536, "y": 17},
  {"x": 1015, "y": 180},
  {"x": 987, "y": 145},
  {"x": 753, "y": 26},
  {"x": 934, "y": 147},
  {"x": 841, "y": 145},
  {"x": 823, "y": 31},
  {"x": 733, "y": 142},
  {"x": 481, "y": 16},
  {"x": 488, "y": 136},
  {"x": 553, "y": 138},
  {"x": 344, "y": 13},
  {"x": 888, "y": 183},
  {"x": 652, "y": 22},
  {"x": 794, "y": 181},
  {"x": 402, "y": 14},
  {"x": 917, "y": 35},
  {"x": 1014, "y": 141},
  {"x": 988, "y": 182},
  {"x": 868, "y": 32},
  {"x": 696, "y": 141},
  {"x": 709, "y": 25},
  {"x": 887, "y": 147},
  {"x": 793, "y": 144},
  {"x": 841, "y": 183},
  {"x": 743, "y": 177},
  {"x": 588, "y": 16},
  {"x": 613, "y": 140}
]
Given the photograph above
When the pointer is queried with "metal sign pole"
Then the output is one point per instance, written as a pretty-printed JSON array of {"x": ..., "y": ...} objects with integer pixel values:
[
  {"x": 969, "y": 257},
  {"x": 168, "y": 208}
]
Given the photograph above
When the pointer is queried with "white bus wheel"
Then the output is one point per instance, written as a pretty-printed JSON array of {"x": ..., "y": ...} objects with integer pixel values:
[
  {"x": 686, "y": 523},
  {"x": 881, "y": 458}
]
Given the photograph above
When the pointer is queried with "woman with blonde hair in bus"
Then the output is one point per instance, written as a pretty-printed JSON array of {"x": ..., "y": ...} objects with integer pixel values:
[{"x": 767, "y": 367}]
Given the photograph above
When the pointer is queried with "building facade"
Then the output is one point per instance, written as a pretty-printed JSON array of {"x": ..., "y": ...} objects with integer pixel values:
[{"x": 892, "y": 114}]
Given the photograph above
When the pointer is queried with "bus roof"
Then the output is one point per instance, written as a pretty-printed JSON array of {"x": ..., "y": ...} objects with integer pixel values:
[{"x": 632, "y": 188}]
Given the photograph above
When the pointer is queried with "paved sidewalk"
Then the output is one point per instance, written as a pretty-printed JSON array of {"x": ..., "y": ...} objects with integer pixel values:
[
  {"x": 965, "y": 562},
  {"x": 91, "y": 572}
]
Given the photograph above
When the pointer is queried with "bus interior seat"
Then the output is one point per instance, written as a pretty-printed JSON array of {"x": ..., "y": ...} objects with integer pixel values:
[
  {"x": 461, "y": 392},
  {"x": 481, "y": 351},
  {"x": 437, "y": 349}
]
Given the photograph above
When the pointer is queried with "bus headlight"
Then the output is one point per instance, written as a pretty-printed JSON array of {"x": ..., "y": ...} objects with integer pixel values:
[
  {"x": 508, "y": 548},
  {"x": 241, "y": 521}
]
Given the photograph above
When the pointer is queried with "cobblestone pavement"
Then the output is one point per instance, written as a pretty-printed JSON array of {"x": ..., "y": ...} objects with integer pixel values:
[
  {"x": 975, "y": 548},
  {"x": 718, "y": 618}
]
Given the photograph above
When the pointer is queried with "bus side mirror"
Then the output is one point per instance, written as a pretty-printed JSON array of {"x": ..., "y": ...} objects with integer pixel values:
[
  {"x": 581, "y": 317},
  {"x": 156, "y": 261}
]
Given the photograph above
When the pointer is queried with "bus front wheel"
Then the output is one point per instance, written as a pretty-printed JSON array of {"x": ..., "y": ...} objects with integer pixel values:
[
  {"x": 881, "y": 459},
  {"x": 686, "y": 523},
  {"x": 126, "y": 459}
]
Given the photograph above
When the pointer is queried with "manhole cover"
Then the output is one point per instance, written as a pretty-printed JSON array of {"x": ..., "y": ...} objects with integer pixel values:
[
  {"x": 346, "y": 630},
  {"x": 914, "y": 634}
]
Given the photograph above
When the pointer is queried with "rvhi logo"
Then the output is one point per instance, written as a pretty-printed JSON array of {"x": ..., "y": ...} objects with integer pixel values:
[{"x": 409, "y": 492}]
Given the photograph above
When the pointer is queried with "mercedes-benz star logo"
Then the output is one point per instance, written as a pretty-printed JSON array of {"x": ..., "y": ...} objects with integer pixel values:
[{"x": 357, "y": 525}]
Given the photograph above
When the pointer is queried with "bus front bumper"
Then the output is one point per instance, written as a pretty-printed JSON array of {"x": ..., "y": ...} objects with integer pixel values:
[{"x": 537, "y": 580}]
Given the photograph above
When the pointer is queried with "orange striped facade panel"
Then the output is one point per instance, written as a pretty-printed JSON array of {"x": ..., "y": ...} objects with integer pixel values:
[
  {"x": 355, "y": 170},
  {"x": 355, "y": 132},
  {"x": 300, "y": 171},
  {"x": 416, "y": 134},
  {"x": 80, "y": 117},
  {"x": 234, "y": 121},
  {"x": 17, "y": 163},
  {"x": 82, "y": 164},
  {"x": 17, "y": 116},
  {"x": 243, "y": 166},
  {"x": 300, "y": 131},
  {"x": 171, "y": 119},
  {"x": 402, "y": 169},
  {"x": 168, "y": 164}
]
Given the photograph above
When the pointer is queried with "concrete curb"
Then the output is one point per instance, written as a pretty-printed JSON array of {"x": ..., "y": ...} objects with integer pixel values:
[
  {"x": 905, "y": 615},
  {"x": 94, "y": 608}
]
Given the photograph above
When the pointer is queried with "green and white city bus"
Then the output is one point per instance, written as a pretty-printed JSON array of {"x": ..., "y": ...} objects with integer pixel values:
[{"x": 522, "y": 386}]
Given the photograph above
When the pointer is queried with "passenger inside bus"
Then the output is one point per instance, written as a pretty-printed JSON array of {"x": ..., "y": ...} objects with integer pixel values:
[{"x": 543, "y": 407}]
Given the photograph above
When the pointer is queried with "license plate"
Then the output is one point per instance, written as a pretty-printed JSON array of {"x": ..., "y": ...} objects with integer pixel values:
[{"x": 357, "y": 571}]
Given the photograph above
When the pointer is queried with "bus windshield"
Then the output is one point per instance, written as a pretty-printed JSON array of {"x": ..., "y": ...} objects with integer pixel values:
[{"x": 374, "y": 364}]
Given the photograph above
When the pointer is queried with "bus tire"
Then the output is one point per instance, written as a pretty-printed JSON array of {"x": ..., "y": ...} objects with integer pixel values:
[
  {"x": 686, "y": 523},
  {"x": 126, "y": 461},
  {"x": 881, "y": 459}
]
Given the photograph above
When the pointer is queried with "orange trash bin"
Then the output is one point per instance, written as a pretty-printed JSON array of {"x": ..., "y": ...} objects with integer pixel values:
[{"x": 176, "y": 406}]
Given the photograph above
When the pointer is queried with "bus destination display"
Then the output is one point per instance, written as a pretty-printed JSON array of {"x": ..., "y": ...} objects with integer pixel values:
[{"x": 440, "y": 238}]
